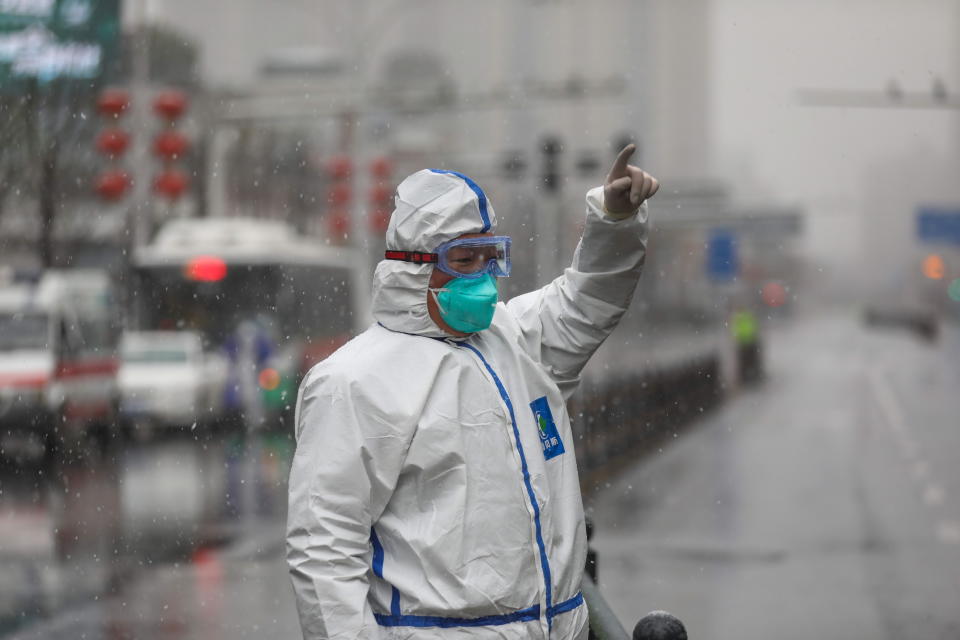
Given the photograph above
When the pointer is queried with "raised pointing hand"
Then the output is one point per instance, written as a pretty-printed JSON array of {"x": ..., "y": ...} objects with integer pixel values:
[{"x": 627, "y": 186}]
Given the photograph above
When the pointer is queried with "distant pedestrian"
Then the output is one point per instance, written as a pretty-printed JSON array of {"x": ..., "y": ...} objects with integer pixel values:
[{"x": 434, "y": 491}]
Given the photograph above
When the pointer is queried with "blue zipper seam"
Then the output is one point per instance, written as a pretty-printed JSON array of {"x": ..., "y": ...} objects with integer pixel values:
[
  {"x": 378, "y": 571},
  {"x": 526, "y": 478}
]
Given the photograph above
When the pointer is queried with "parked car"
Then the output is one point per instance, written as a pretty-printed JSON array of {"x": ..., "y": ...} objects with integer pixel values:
[
  {"x": 166, "y": 379},
  {"x": 921, "y": 320}
]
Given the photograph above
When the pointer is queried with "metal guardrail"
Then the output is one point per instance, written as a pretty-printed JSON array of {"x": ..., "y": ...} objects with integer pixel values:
[
  {"x": 621, "y": 418},
  {"x": 604, "y": 624}
]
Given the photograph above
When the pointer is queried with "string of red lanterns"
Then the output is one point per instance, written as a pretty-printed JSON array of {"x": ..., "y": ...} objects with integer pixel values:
[{"x": 169, "y": 145}]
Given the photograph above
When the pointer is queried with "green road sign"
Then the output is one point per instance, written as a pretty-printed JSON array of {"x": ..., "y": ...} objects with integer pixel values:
[{"x": 46, "y": 40}]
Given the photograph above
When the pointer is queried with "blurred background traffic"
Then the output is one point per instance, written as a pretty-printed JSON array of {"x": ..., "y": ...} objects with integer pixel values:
[{"x": 193, "y": 196}]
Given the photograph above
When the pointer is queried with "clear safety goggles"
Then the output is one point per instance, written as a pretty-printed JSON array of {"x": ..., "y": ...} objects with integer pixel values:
[{"x": 465, "y": 257}]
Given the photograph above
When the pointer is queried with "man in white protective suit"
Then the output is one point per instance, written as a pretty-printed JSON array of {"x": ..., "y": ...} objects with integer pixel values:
[{"x": 434, "y": 489}]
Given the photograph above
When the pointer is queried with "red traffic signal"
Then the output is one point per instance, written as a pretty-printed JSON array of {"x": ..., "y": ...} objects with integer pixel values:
[
  {"x": 112, "y": 184},
  {"x": 171, "y": 183},
  {"x": 113, "y": 102},
  {"x": 170, "y": 104},
  {"x": 113, "y": 142},
  {"x": 170, "y": 145}
]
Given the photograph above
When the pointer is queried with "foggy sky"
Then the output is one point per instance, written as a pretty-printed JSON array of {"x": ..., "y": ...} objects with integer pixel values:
[{"x": 833, "y": 162}]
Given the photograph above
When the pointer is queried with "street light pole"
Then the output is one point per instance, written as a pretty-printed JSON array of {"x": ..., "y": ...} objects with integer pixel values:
[
  {"x": 140, "y": 213},
  {"x": 369, "y": 32}
]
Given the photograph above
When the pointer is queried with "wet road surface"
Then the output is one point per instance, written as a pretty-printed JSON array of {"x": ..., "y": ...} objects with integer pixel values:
[
  {"x": 824, "y": 503},
  {"x": 147, "y": 540}
]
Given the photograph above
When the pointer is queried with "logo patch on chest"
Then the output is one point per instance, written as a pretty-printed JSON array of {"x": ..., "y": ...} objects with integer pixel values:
[{"x": 547, "y": 428}]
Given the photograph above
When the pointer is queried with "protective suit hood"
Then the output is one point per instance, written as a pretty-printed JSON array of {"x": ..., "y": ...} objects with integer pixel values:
[{"x": 432, "y": 206}]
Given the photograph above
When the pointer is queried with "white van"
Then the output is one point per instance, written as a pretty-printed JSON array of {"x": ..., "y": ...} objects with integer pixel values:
[
  {"x": 167, "y": 380},
  {"x": 58, "y": 364}
]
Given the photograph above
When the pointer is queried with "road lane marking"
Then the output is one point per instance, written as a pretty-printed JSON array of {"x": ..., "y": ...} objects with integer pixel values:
[
  {"x": 933, "y": 493},
  {"x": 893, "y": 414},
  {"x": 888, "y": 405}
]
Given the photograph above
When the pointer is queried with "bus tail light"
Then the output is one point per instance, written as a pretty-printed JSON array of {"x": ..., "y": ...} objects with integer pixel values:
[{"x": 206, "y": 269}]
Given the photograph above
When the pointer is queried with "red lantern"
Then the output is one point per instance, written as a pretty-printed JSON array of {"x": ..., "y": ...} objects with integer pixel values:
[
  {"x": 339, "y": 194},
  {"x": 379, "y": 220},
  {"x": 381, "y": 205},
  {"x": 170, "y": 104},
  {"x": 381, "y": 167},
  {"x": 170, "y": 145},
  {"x": 113, "y": 102},
  {"x": 381, "y": 195},
  {"x": 339, "y": 167},
  {"x": 339, "y": 225},
  {"x": 113, "y": 142},
  {"x": 112, "y": 184},
  {"x": 171, "y": 183}
]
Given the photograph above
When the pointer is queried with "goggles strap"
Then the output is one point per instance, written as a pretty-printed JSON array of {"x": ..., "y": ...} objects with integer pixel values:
[{"x": 411, "y": 256}]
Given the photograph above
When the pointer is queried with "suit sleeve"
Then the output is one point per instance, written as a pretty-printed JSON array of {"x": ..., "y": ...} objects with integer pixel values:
[
  {"x": 347, "y": 461},
  {"x": 563, "y": 323}
]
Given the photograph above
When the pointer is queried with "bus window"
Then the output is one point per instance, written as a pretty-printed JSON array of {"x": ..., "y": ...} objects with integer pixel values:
[
  {"x": 169, "y": 301},
  {"x": 316, "y": 303}
]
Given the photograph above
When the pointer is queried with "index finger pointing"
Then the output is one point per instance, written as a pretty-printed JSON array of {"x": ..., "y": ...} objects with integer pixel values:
[{"x": 619, "y": 168}]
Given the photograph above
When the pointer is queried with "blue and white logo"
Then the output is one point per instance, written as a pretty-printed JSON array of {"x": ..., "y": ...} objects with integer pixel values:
[{"x": 547, "y": 428}]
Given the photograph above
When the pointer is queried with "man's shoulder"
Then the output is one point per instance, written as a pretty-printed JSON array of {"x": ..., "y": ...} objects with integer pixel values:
[{"x": 379, "y": 355}]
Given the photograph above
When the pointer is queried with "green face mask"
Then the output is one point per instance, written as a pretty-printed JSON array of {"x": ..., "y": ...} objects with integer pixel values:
[{"x": 467, "y": 304}]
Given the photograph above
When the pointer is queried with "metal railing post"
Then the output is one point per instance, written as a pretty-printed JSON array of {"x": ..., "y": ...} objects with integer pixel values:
[{"x": 659, "y": 625}]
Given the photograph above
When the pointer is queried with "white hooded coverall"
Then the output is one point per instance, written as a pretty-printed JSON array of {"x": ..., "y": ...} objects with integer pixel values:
[{"x": 434, "y": 489}]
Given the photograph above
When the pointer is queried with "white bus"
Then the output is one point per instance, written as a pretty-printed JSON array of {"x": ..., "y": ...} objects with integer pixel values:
[{"x": 213, "y": 276}]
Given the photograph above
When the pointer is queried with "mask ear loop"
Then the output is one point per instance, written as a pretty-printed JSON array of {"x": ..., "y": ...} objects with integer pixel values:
[{"x": 436, "y": 298}]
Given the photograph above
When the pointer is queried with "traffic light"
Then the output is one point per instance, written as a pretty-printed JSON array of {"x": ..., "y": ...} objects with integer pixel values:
[
  {"x": 934, "y": 267},
  {"x": 551, "y": 148},
  {"x": 514, "y": 165}
]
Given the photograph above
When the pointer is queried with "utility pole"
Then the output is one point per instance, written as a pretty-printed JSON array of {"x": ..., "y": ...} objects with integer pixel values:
[
  {"x": 48, "y": 201},
  {"x": 521, "y": 132},
  {"x": 42, "y": 151}
]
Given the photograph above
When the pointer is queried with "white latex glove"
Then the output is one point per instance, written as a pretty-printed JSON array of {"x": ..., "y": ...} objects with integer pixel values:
[{"x": 627, "y": 186}]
